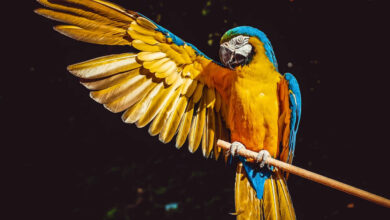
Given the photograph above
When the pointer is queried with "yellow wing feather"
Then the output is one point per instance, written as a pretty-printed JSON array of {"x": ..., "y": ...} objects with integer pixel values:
[
  {"x": 131, "y": 98},
  {"x": 170, "y": 126},
  {"x": 198, "y": 123},
  {"x": 112, "y": 93},
  {"x": 90, "y": 36},
  {"x": 164, "y": 113},
  {"x": 80, "y": 21},
  {"x": 100, "y": 84},
  {"x": 157, "y": 103},
  {"x": 209, "y": 133},
  {"x": 185, "y": 125},
  {"x": 219, "y": 128},
  {"x": 198, "y": 92},
  {"x": 164, "y": 84},
  {"x": 133, "y": 114},
  {"x": 105, "y": 66},
  {"x": 140, "y": 45},
  {"x": 84, "y": 12}
]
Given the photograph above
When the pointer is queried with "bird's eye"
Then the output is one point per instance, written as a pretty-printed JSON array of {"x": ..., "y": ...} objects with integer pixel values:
[{"x": 240, "y": 39}]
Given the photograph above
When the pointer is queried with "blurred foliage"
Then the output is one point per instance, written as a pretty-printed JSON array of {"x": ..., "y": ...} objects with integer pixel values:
[{"x": 137, "y": 187}]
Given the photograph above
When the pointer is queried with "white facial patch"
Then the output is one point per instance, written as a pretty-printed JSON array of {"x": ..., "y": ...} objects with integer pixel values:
[
  {"x": 239, "y": 44},
  {"x": 236, "y": 42},
  {"x": 244, "y": 50}
]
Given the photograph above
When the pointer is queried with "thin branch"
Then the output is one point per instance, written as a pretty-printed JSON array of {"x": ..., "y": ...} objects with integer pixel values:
[{"x": 313, "y": 176}]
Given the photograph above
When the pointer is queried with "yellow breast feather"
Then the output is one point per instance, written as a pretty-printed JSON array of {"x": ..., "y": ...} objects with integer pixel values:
[{"x": 253, "y": 106}]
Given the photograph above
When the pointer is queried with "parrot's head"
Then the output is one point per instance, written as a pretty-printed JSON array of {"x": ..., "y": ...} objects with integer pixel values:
[{"x": 238, "y": 46}]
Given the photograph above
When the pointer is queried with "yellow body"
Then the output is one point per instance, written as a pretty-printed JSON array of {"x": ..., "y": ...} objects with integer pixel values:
[{"x": 253, "y": 105}]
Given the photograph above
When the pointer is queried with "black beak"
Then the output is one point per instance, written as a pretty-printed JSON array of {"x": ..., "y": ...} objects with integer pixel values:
[
  {"x": 230, "y": 58},
  {"x": 226, "y": 56}
]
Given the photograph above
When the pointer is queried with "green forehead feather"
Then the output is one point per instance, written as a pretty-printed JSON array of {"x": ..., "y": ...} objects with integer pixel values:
[{"x": 229, "y": 35}]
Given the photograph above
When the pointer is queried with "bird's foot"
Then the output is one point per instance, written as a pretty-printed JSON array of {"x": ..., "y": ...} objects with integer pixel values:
[
  {"x": 262, "y": 158},
  {"x": 234, "y": 148}
]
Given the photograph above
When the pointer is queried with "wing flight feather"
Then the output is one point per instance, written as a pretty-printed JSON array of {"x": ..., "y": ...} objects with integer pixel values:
[{"x": 163, "y": 84}]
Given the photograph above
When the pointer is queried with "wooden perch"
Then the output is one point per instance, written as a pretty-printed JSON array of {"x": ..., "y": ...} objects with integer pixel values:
[{"x": 312, "y": 176}]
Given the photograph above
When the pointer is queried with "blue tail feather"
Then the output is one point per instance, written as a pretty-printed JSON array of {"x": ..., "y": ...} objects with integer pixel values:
[{"x": 256, "y": 175}]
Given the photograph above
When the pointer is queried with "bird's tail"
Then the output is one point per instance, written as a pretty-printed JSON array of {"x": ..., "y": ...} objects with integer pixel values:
[{"x": 275, "y": 203}]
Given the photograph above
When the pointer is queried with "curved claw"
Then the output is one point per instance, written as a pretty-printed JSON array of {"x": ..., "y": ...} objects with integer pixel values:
[
  {"x": 235, "y": 147},
  {"x": 262, "y": 158}
]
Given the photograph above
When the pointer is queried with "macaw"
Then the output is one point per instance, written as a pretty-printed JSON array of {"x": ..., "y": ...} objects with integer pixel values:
[{"x": 180, "y": 91}]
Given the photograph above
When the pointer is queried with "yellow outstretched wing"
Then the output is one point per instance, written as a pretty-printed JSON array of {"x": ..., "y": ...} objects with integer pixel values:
[{"x": 169, "y": 83}]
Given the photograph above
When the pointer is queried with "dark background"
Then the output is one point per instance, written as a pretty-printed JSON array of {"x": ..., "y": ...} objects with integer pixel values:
[{"x": 66, "y": 157}]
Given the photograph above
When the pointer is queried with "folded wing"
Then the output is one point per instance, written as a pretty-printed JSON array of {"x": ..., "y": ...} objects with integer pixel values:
[{"x": 290, "y": 108}]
